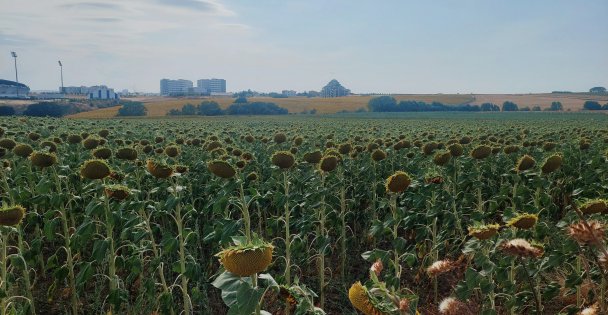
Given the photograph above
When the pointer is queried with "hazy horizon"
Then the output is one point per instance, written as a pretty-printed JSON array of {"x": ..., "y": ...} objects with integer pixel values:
[{"x": 390, "y": 47}]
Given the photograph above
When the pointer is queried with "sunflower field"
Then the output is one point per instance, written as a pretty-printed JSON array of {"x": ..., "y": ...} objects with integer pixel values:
[{"x": 409, "y": 214}]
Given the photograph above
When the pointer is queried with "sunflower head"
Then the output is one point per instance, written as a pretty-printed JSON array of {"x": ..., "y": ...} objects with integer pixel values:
[
  {"x": 43, "y": 159},
  {"x": 90, "y": 143},
  {"x": 362, "y": 301},
  {"x": 345, "y": 148},
  {"x": 74, "y": 139},
  {"x": 8, "y": 144},
  {"x": 481, "y": 152},
  {"x": 246, "y": 260},
  {"x": 378, "y": 155},
  {"x": 328, "y": 163},
  {"x": 159, "y": 169},
  {"x": 127, "y": 153},
  {"x": 11, "y": 215},
  {"x": 23, "y": 150},
  {"x": 283, "y": 159},
  {"x": 280, "y": 138},
  {"x": 594, "y": 206},
  {"x": 221, "y": 169},
  {"x": 591, "y": 232},
  {"x": 94, "y": 169},
  {"x": 442, "y": 158},
  {"x": 172, "y": 151},
  {"x": 552, "y": 164},
  {"x": 521, "y": 248},
  {"x": 523, "y": 221},
  {"x": 484, "y": 232},
  {"x": 456, "y": 149},
  {"x": 398, "y": 182},
  {"x": 117, "y": 192},
  {"x": 525, "y": 163}
]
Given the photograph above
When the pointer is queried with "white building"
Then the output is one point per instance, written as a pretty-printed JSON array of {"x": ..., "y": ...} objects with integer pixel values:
[
  {"x": 211, "y": 85},
  {"x": 289, "y": 93},
  {"x": 172, "y": 87},
  {"x": 102, "y": 92}
]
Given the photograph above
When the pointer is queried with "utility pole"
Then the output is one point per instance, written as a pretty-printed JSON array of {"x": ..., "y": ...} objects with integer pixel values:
[{"x": 14, "y": 54}]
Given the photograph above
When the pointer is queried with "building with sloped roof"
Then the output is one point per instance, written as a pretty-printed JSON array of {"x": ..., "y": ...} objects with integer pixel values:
[
  {"x": 12, "y": 89},
  {"x": 334, "y": 89}
]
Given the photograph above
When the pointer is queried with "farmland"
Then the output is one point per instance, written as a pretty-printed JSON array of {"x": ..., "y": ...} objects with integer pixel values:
[
  {"x": 159, "y": 106},
  {"x": 380, "y": 214}
]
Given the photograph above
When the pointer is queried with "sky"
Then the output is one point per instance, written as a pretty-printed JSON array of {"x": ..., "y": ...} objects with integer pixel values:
[{"x": 370, "y": 46}]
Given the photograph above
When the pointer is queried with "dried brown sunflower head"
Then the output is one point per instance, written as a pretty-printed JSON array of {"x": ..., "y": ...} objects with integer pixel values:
[
  {"x": 591, "y": 233},
  {"x": 521, "y": 248}
]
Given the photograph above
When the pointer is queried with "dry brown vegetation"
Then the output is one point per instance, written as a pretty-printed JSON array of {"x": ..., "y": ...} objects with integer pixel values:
[{"x": 159, "y": 106}]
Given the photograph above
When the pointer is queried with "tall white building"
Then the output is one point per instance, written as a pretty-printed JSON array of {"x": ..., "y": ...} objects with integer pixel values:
[
  {"x": 171, "y": 87},
  {"x": 102, "y": 92},
  {"x": 211, "y": 85}
]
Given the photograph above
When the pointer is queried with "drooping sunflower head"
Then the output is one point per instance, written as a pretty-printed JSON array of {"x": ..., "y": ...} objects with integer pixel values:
[
  {"x": 456, "y": 149},
  {"x": 172, "y": 151},
  {"x": 360, "y": 298},
  {"x": 23, "y": 150},
  {"x": 481, "y": 152},
  {"x": 523, "y": 221},
  {"x": 345, "y": 148},
  {"x": 280, "y": 138},
  {"x": 313, "y": 157},
  {"x": 442, "y": 158},
  {"x": 94, "y": 169},
  {"x": 594, "y": 206},
  {"x": 283, "y": 159},
  {"x": 591, "y": 232},
  {"x": 398, "y": 182},
  {"x": 159, "y": 169},
  {"x": 328, "y": 163},
  {"x": 245, "y": 261},
  {"x": 521, "y": 248},
  {"x": 552, "y": 164},
  {"x": 117, "y": 192},
  {"x": 378, "y": 155},
  {"x": 525, "y": 163},
  {"x": 221, "y": 169},
  {"x": 43, "y": 159},
  {"x": 11, "y": 215},
  {"x": 484, "y": 232},
  {"x": 127, "y": 153},
  {"x": 90, "y": 143},
  {"x": 102, "y": 153},
  {"x": 74, "y": 139}
]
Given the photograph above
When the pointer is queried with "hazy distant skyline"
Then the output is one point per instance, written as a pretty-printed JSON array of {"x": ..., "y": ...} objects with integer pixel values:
[{"x": 465, "y": 46}]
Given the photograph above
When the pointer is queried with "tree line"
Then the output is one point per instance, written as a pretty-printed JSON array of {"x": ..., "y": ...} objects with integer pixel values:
[
  {"x": 240, "y": 107},
  {"x": 390, "y": 104}
]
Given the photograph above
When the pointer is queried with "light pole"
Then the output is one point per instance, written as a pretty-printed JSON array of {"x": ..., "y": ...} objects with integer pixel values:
[
  {"x": 61, "y": 69},
  {"x": 14, "y": 54}
]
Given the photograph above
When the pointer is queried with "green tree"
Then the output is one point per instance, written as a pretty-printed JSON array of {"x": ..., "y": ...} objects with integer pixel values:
[
  {"x": 509, "y": 106},
  {"x": 189, "y": 109},
  {"x": 240, "y": 100},
  {"x": 132, "y": 109},
  {"x": 210, "y": 108},
  {"x": 382, "y": 104},
  {"x": 556, "y": 106},
  {"x": 489, "y": 107},
  {"x": 592, "y": 105}
]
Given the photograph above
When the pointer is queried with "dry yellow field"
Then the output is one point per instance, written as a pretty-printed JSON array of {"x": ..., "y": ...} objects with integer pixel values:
[{"x": 159, "y": 106}]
